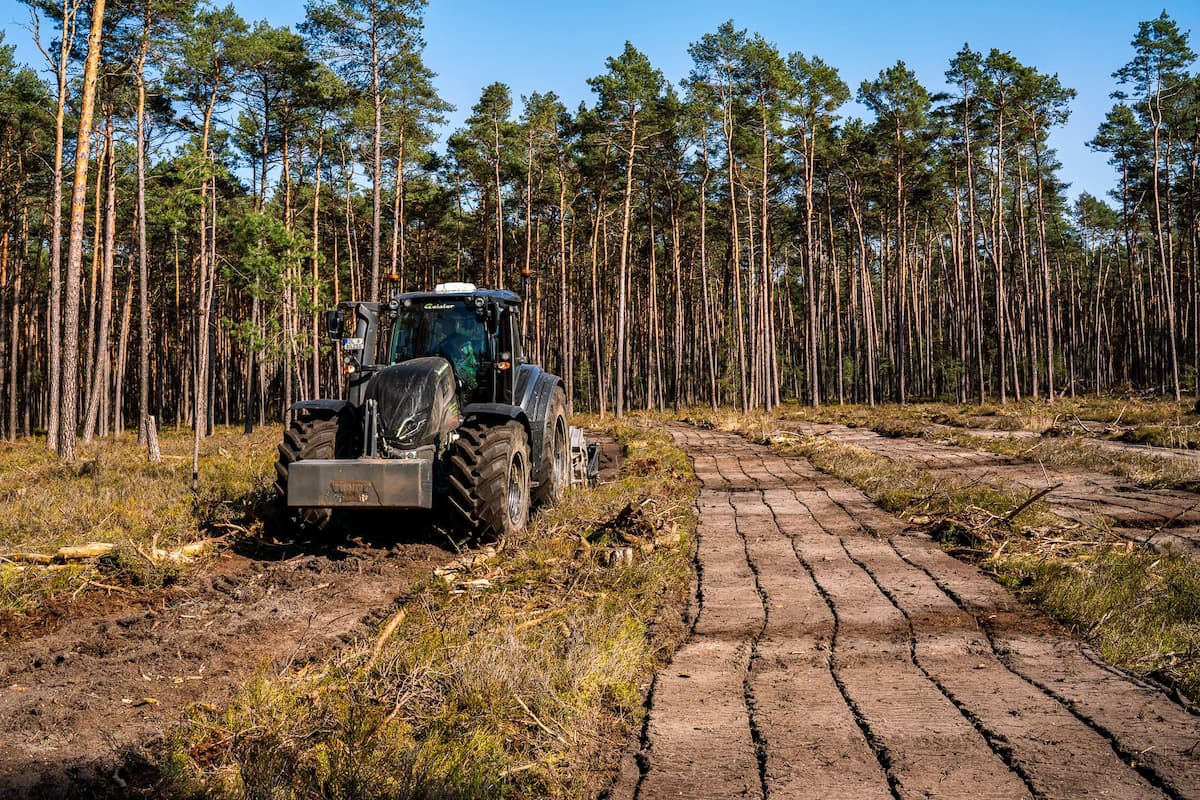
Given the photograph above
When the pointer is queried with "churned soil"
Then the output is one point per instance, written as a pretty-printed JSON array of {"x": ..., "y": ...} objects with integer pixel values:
[
  {"x": 79, "y": 704},
  {"x": 85, "y": 690},
  {"x": 835, "y": 653}
]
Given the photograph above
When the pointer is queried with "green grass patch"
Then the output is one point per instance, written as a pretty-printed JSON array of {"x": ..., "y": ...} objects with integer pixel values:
[{"x": 519, "y": 673}]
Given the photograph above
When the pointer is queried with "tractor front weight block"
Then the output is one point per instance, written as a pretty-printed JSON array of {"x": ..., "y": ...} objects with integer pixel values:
[{"x": 361, "y": 483}]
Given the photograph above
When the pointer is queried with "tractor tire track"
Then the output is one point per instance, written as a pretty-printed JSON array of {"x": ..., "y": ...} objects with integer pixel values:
[{"x": 837, "y": 654}]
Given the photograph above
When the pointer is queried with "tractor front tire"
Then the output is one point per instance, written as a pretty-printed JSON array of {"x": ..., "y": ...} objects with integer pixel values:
[
  {"x": 553, "y": 474},
  {"x": 488, "y": 480},
  {"x": 311, "y": 434}
]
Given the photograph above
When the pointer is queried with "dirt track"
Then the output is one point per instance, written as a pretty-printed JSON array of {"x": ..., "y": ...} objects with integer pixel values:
[
  {"x": 73, "y": 704},
  {"x": 1159, "y": 516},
  {"x": 836, "y": 655}
]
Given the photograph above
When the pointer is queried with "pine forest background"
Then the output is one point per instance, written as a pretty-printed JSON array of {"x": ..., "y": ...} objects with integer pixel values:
[{"x": 188, "y": 192}]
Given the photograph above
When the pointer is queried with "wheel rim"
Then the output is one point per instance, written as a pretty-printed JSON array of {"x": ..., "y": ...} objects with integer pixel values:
[{"x": 516, "y": 487}]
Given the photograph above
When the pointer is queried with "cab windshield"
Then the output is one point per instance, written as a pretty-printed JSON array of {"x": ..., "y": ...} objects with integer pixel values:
[
  {"x": 446, "y": 328},
  {"x": 436, "y": 328}
]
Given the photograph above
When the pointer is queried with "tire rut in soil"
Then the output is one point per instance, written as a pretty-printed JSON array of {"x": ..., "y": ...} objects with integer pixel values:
[
  {"x": 933, "y": 749},
  {"x": 1038, "y": 738},
  {"x": 1146, "y": 728},
  {"x": 796, "y": 649},
  {"x": 874, "y": 665},
  {"x": 743, "y": 519},
  {"x": 698, "y": 731},
  {"x": 1041, "y": 740}
]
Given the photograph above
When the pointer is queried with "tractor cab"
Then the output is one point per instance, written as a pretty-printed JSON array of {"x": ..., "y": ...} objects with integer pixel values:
[{"x": 476, "y": 331}]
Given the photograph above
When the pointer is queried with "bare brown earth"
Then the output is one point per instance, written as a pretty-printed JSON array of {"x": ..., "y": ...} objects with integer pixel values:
[
  {"x": 1155, "y": 516},
  {"x": 836, "y": 654},
  {"x": 77, "y": 705}
]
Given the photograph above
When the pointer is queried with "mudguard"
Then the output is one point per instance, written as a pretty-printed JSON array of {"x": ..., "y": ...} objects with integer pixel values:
[
  {"x": 534, "y": 390},
  {"x": 334, "y": 407},
  {"x": 475, "y": 411}
]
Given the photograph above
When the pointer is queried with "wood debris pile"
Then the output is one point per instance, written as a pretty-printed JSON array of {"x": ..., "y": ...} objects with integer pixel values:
[
  {"x": 638, "y": 528},
  {"x": 455, "y": 574}
]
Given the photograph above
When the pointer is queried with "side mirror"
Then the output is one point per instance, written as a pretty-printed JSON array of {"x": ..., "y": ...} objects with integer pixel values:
[{"x": 335, "y": 320}]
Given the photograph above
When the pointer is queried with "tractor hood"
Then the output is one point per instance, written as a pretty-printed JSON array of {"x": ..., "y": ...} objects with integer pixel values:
[{"x": 417, "y": 403}]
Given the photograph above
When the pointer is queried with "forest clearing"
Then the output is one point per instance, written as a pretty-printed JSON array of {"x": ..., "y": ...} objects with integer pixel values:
[
  {"x": 898, "y": 427},
  {"x": 930, "y": 634}
]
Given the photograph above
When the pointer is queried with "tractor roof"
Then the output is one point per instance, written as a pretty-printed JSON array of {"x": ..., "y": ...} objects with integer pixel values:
[{"x": 461, "y": 290}]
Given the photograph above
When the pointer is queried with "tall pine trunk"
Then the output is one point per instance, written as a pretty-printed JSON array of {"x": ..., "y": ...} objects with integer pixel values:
[{"x": 69, "y": 413}]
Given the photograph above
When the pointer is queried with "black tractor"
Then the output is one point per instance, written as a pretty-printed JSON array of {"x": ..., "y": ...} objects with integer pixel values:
[{"x": 442, "y": 410}]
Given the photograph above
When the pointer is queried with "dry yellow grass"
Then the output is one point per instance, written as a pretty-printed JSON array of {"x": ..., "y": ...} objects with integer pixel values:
[{"x": 114, "y": 495}]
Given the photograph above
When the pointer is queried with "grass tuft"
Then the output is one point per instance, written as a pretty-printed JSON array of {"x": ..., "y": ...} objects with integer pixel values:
[{"x": 1140, "y": 608}]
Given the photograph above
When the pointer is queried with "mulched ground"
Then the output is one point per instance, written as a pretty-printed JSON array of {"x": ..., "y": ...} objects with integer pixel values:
[{"x": 836, "y": 654}]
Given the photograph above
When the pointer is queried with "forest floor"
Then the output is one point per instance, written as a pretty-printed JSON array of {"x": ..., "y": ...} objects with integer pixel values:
[
  {"x": 90, "y": 684},
  {"x": 892, "y": 602},
  {"x": 78, "y": 703}
]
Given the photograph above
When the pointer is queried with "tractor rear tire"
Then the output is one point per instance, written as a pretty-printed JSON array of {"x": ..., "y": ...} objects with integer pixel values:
[
  {"x": 488, "y": 481},
  {"x": 553, "y": 474},
  {"x": 312, "y": 433}
]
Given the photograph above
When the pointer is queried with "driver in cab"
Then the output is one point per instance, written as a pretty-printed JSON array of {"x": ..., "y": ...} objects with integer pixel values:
[{"x": 455, "y": 346}]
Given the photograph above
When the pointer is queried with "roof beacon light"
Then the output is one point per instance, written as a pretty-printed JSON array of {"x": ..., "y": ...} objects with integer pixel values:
[{"x": 447, "y": 288}]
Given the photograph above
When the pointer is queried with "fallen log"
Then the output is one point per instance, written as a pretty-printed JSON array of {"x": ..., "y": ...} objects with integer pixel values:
[
  {"x": 178, "y": 555},
  {"x": 89, "y": 550},
  {"x": 183, "y": 552},
  {"x": 31, "y": 558},
  {"x": 75, "y": 552}
]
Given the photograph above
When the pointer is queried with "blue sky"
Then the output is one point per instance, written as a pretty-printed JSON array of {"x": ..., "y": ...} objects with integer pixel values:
[{"x": 541, "y": 45}]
